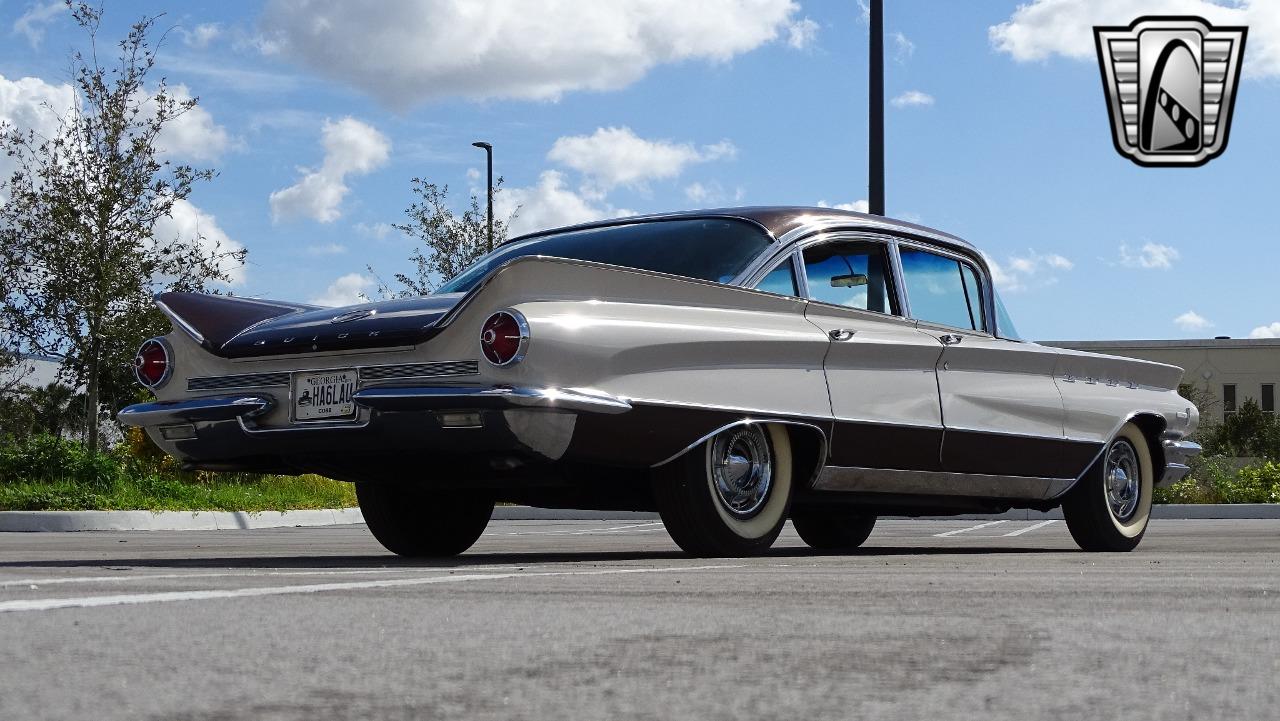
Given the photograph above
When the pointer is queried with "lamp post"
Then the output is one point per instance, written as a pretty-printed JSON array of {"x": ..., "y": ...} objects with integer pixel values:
[
  {"x": 875, "y": 119},
  {"x": 488, "y": 151}
]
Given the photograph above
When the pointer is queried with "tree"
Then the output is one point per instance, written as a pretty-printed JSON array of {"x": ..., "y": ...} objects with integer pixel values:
[
  {"x": 450, "y": 242},
  {"x": 78, "y": 225},
  {"x": 1249, "y": 431}
]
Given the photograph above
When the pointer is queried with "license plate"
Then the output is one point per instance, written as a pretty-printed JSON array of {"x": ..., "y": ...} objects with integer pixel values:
[{"x": 324, "y": 395}]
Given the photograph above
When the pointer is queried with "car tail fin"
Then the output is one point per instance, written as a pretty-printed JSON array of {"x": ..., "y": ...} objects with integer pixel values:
[{"x": 212, "y": 320}]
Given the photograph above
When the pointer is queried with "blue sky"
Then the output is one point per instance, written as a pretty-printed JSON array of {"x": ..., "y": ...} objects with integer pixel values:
[{"x": 605, "y": 109}]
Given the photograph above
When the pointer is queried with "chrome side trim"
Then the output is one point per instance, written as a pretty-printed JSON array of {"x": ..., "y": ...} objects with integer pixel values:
[
  {"x": 218, "y": 408},
  {"x": 938, "y": 483},
  {"x": 423, "y": 398},
  {"x": 822, "y": 444}
]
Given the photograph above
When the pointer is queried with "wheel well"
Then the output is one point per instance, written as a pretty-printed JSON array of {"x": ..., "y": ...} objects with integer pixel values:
[
  {"x": 1152, "y": 427},
  {"x": 808, "y": 448}
]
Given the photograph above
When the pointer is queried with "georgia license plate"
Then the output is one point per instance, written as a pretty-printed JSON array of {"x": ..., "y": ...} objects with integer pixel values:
[{"x": 324, "y": 395}]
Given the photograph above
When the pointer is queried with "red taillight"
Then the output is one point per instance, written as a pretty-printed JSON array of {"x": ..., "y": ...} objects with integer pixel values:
[
  {"x": 151, "y": 365},
  {"x": 504, "y": 338}
]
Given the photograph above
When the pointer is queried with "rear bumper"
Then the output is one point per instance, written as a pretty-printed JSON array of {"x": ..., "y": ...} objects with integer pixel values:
[
  {"x": 1177, "y": 456},
  {"x": 401, "y": 429}
]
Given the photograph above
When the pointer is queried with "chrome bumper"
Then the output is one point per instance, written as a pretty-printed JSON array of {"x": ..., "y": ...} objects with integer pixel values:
[
  {"x": 432, "y": 398},
  {"x": 1177, "y": 454},
  {"x": 219, "y": 408},
  {"x": 422, "y": 398}
]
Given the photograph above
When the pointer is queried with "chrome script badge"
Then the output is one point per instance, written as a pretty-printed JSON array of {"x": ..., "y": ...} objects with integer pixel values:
[{"x": 1170, "y": 84}]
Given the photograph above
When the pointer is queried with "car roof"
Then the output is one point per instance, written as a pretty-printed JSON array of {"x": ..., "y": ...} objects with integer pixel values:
[{"x": 783, "y": 222}]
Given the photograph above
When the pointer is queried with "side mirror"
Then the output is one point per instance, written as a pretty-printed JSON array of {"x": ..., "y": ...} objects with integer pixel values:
[{"x": 848, "y": 281}]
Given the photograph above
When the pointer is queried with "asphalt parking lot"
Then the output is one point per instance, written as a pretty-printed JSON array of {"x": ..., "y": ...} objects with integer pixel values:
[{"x": 607, "y": 620}]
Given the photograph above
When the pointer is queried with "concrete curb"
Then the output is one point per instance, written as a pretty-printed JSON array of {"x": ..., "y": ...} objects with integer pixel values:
[{"x": 63, "y": 521}]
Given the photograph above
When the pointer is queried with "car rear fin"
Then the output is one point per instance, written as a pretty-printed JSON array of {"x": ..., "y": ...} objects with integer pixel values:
[{"x": 212, "y": 320}]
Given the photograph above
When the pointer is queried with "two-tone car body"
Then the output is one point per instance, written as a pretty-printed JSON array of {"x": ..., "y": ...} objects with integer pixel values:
[{"x": 729, "y": 368}]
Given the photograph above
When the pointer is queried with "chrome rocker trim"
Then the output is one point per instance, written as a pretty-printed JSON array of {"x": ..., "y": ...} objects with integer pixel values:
[
  {"x": 428, "y": 398},
  {"x": 218, "y": 408},
  {"x": 1177, "y": 454}
]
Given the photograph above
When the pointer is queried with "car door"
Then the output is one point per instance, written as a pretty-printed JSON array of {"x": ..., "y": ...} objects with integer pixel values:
[
  {"x": 1001, "y": 409},
  {"x": 879, "y": 369}
]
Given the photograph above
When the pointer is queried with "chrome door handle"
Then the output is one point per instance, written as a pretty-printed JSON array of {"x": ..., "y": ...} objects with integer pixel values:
[
  {"x": 841, "y": 334},
  {"x": 951, "y": 339}
]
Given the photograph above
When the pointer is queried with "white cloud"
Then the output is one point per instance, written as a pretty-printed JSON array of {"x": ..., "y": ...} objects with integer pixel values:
[
  {"x": 193, "y": 135},
  {"x": 377, "y": 231},
  {"x": 32, "y": 23},
  {"x": 706, "y": 194},
  {"x": 1192, "y": 321},
  {"x": 188, "y": 223},
  {"x": 550, "y": 204},
  {"x": 801, "y": 34},
  {"x": 912, "y": 99},
  {"x": 1266, "y": 331},
  {"x": 31, "y": 104},
  {"x": 1152, "y": 255},
  {"x": 1040, "y": 29},
  {"x": 903, "y": 48},
  {"x": 350, "y": 148},
  {"x": 201, "y": 35},
  {"x": 617, "y": 156},
  {"x": 349, "y": 289},
  {"x": 857, "y": 206},
  {"x": 1021, "y": 272},
  {"x": 406, "y": 52},
  {"x": 327, "y": 249}
]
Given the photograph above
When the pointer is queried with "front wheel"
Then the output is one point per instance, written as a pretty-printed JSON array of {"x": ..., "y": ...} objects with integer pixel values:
[
  {"x": 729, "y": 496},
  {"x": 1109, "y": 508},
  {"x": 410, "y": 520}
]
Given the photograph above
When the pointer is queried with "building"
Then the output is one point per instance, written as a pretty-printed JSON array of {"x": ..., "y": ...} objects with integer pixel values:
[{"x": 1228, "y": 371}]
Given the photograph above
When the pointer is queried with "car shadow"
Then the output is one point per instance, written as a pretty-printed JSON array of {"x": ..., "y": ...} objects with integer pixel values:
[{"x": 480, "y": 559}]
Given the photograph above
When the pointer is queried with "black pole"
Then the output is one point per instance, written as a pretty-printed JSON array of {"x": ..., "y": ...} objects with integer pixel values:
[
  {"x": 488, "y": 151},
  {"x": 875, "y": 119}
]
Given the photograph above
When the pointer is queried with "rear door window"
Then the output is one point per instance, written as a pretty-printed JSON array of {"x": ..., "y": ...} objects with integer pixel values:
[
  {"x": 943, "y": 290},
  {"x": 854, "y": 274}
]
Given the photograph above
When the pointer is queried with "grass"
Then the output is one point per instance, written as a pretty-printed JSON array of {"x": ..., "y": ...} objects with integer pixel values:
[{"x": 231, "y": 492}]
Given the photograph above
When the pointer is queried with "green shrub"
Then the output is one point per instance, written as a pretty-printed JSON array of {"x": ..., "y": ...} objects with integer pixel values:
[
  {"x": 48, "y": 458},
  {"x": 1257, "y": 484}
]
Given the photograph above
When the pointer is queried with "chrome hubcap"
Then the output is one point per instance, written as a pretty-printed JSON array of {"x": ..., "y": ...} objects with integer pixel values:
[
  {"x": 741, "y": 470},
  {"x": 1123, "y": 478}
]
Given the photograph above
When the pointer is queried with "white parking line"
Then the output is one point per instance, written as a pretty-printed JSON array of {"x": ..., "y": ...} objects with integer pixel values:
[
  {"x": 56, "y": 580},
  {"x": 1030, "y": 528},
  {"x": 970, "y": 528},
  {"x": 639, "y": 528},
  {"x": 126, "y": 599}
]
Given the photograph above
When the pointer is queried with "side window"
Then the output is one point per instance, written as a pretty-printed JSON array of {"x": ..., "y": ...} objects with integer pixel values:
[
  {"x": 780, "y": 280},
  {"x": 854, "y": 274},
  {"x": 943, "y": 290}
]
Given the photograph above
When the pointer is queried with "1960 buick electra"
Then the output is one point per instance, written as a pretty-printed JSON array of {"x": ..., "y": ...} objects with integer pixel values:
[{"x": 729, "y": 368}]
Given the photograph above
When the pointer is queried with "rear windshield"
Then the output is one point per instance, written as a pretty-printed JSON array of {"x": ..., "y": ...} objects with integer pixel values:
[{"x": 712, "y": 249}]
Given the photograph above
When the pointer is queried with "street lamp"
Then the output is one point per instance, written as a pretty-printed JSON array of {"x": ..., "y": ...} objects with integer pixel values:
[
  {"x": 488, "y": 151},
  {"x": 875, "y": 103}
]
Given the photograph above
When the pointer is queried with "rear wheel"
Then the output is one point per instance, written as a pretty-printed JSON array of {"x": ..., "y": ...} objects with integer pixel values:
[
  {"x": 1109, "y": 508},
  {"x": 410, "y": 520},
  {"x": 833, "y": 529},
  {"x": 730, "y": 495}
]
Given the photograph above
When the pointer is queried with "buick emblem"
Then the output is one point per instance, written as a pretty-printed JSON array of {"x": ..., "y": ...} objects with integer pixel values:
[
  {"x": 1171, "y": 86},
  {"x": 353, "y": 315}
]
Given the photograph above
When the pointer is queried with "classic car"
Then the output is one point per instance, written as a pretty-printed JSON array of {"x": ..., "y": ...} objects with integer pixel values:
[{"x": 730, "y": 369}]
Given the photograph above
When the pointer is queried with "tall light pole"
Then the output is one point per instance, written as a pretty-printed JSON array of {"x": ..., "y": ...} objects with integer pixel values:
[
  {"x": 488, "y": 151},
  {"x": 875, "y": 119}
]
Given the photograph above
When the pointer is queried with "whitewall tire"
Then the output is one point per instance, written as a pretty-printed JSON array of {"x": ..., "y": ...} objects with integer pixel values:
[
  {"x": 1110, "y": 507},
  {"x": 730, "y": 495}
]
